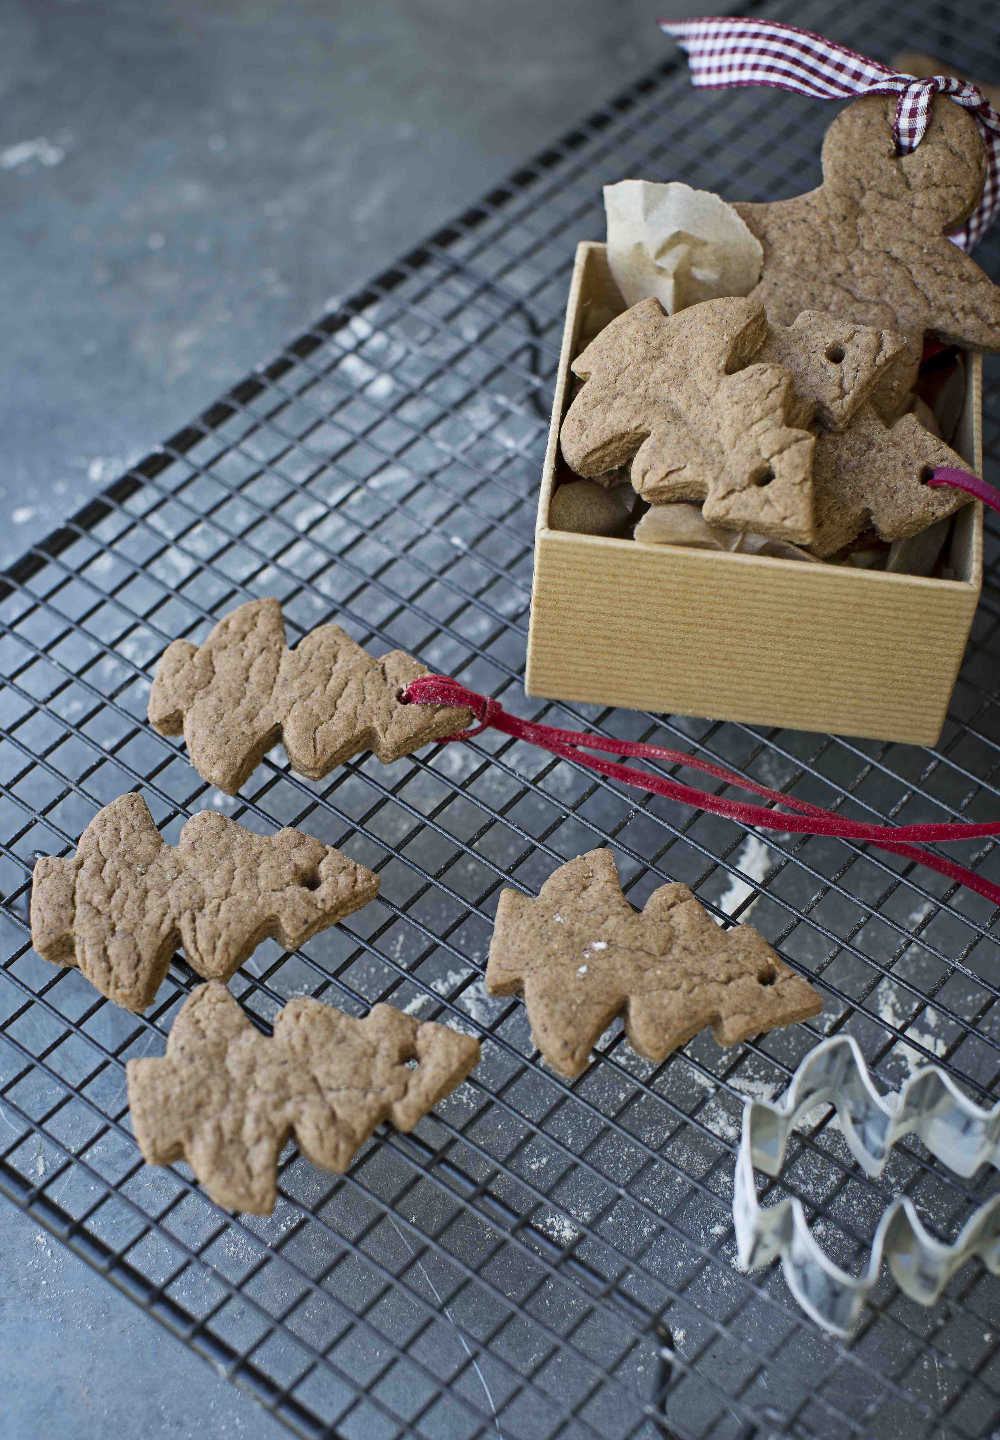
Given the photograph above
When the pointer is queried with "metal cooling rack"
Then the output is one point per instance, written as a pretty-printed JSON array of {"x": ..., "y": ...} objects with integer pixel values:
[{"x": 538, "y": 1258}]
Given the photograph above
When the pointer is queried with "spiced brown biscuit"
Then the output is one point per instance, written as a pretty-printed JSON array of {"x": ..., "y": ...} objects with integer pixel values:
[
  {"x": 679, "y": 397},
  {"x": 870, "y": 244},
  {"x": 587, "y": 508},
  {"x": 872, "y": 474},
  {"x": 118, "y": 907},
  {"x": 226, "y": 1097},
  {"x": 834, "y": 363},
  {"x": 581, "y": 955},
  {"x": 243, "y": 690}
]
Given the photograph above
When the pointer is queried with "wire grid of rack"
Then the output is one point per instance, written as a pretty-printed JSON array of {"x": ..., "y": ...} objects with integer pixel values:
[{"x": 539, "y": 1258}]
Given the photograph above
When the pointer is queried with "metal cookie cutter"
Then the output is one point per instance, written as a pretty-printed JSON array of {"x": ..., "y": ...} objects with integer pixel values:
[{"x": 929, "y": 1105}]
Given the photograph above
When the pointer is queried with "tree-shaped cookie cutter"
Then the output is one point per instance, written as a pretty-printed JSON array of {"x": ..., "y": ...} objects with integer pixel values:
[{"x": 929, "y": 1105}]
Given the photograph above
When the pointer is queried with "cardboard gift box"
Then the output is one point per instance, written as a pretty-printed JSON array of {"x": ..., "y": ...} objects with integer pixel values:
[{"x": 743, "y": 637}]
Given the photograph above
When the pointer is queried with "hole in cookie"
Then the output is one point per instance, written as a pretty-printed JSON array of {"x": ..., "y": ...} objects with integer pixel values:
[
  {"x": 312, "y": 881},
  {"x": 926, "y": 474},
  {"x": 403, "y": 698},
  {"x": 762, "y": 477},
  {"x": 768, "y": 976},
  {"x": 835, "y": 354}
]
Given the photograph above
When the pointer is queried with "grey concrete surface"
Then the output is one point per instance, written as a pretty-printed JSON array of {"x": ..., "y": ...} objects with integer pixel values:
[
  {"x": 182, "y": 187},
  {"x": 80, "y": 1361}
]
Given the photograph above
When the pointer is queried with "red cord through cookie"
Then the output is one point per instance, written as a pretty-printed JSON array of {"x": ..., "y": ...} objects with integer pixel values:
[
  {"x": 971, "y": 484},
  {"x": 809, "y": 819}
]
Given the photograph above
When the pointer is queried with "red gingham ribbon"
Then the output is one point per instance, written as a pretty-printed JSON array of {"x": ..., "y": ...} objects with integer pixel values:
[
  {"x": 725, "y": 51},
  {"x": 809, "y": 819}
]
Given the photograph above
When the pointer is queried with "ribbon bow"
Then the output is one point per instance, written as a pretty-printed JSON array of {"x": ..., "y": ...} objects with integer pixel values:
[{"x": 724, "y": 51}]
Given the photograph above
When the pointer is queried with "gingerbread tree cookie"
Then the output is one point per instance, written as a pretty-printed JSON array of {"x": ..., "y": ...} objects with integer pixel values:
[
  {"x": 581, "y": 955},
  {"x": 834, "y": 364},
  {"x": 873, "y": 474},
  {"x": 226, "y": 1098},
  {"x": 118, "y": 907},
  {"x": 673, "y": 395},
  {"x": 242, "y": 690},
  {"x": 870, "y": 244}
]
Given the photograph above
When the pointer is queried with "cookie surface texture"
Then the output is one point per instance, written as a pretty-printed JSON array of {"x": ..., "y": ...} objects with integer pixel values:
[
  {"x": 834, "y": 364},
  {"x": 679, "y": 397},
  {"x": 870, "y": 244},
  {"x": 873, "y": 474},
  {"x": 243, "y": 690},
  {"x": 580, "y": 955},
  {"x": 226, "y": 1097},
  {"x": 118, "y": 907}
]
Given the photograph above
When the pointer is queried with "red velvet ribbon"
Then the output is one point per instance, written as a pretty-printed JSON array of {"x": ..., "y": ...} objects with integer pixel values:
[
  {"x": 971, "y": 484},
  {"x": 808, "y": 820}
]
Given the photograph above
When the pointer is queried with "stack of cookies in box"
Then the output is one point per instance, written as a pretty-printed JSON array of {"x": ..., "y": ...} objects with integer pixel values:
[{"x": 805, "y": 419}]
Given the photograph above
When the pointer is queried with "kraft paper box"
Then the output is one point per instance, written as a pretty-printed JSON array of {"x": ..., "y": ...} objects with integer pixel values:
[{"x": 741, "y": 637}]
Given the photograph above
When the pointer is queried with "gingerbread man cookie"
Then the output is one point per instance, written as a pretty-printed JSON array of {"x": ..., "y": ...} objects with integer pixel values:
[{"x": 870, "y": 244}]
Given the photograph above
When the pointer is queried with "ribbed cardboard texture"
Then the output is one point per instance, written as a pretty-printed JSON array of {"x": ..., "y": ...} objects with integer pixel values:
[{"x": 741, "y": 637}]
